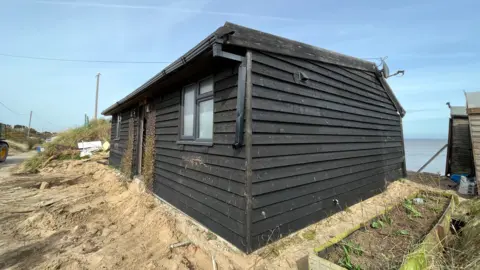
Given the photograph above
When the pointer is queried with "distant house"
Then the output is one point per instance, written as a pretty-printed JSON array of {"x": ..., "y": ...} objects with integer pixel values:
[{"x": 258, "y": 136}]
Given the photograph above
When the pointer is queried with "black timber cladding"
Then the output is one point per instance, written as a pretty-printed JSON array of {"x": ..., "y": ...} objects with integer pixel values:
[
  {"x": 336, "y": 135},
  {"x": 323, "y": 127},
  {"x": 459, "y": 156},
  {"x": 205, "y": 182},
  {"x": 119, "y": 145}
]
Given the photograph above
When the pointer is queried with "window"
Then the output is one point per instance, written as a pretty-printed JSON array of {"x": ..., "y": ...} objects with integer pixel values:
[
  {"x": 197, "y": 111},
  {"x": 117, "y": 128}
]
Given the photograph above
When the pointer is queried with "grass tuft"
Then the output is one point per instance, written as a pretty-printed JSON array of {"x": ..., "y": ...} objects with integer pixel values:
[
  {"x": 148, "y": 164},
  {"x": 127, "y": 159},
  {"x": 64, "y": 146}
]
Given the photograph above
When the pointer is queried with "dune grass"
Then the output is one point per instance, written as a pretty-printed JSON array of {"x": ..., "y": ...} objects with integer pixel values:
[{"x": 64, "y": 146}]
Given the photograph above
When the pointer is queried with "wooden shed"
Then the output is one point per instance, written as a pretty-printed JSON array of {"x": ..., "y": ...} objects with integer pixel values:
[
  {"x": 473, "y": 111},
  {"x": 459, "y": 151},
  {"x": 258, "y": 136}
]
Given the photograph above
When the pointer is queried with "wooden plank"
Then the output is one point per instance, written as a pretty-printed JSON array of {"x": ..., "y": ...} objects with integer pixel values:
[
  {"x": 473, "y": 110},
  {"x": 323, "y": 111},
  {"x": 288, "y": 117},
  {"x": 227, "y": 83},
  {"x": 169, "y": 116},
  {"x": 170, "y": 123},
  {"x": 166, "y": 130},
  {"x": 226, "y": 173},
  {"x": 329, "y": 209},
  {"x": 220, "y": 150},
  {"x": 305, "y": 129},
  {"x": 290, "y": 216},
  {"x": 370, "y": 76},
  {"x": 288, "y": 207},
  {"x": 225, "y": 73},
  {"x": 290, "y": 160},
  {"x": 229, "y": 93},
  {"x": 266, "y": 139},
  {"x": 226, "y": 105},
  {"x": 364, "y": 77},
  {"x": 289, "y": 64},
  {"x": 167, "y": 103},
  {"x": 184, "y": 204},
  {"x": 320, "y": 184},
  {"x": 319, "y": 174},
  {"x": 270, "y": 174},
  {"x": 226, "y": 116},
  {"x": 201, "y": 159},
  {"x": 284, "y": 73},
  {"x": 331, "y": 71},
  {"x": 167, "y": 110},
  {"x": 322, "y": 91},
  {"x": 208, "y": 179},
  {"x": 217, "y": 199},
  {"x": 295, "y": 149}
]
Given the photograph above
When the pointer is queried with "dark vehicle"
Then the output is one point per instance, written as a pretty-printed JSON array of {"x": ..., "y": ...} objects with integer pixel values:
[{"x": 3, "y": 144}]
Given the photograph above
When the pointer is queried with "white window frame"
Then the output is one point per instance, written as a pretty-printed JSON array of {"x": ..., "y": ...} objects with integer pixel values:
[
  {"x": 198, "y": 98},
  {"x": 117, "y": 127}
]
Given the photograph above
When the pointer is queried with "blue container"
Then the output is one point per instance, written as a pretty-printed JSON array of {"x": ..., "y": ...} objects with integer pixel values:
[{"x": 456, "y": 177}]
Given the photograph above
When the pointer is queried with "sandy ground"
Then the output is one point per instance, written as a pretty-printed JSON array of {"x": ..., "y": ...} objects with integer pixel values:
[{"x": 89, "y": 218}]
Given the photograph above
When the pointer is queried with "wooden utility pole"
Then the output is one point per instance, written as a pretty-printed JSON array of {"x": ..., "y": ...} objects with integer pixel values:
[
  {"x": 29, "y": 124},
  {"x": 96, "y": 96}
]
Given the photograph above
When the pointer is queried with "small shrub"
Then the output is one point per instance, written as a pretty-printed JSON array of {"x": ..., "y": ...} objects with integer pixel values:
[
  {"x": 65, "y": 145},
  {"x": 408, "y": 205},
  {"x": 127, "y": 159},
  {"x": 148, "y": 163}
]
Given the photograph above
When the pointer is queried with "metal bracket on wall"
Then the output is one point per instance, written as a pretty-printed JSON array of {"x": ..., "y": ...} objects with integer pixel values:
[{"x": 218, "y": 52}]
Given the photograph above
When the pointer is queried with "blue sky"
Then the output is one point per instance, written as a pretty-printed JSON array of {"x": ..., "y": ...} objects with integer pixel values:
[{"x": 436, "y": 42}]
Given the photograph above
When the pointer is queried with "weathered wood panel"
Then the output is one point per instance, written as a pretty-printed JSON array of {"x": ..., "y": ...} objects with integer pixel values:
[
  {"x": 474, "y": 123},
  {"x": 334, "y": 136},
  {"x": 118, "y": 146},
  {"x": 206, "y": 182},
  {"x": 460, "y": 156}
]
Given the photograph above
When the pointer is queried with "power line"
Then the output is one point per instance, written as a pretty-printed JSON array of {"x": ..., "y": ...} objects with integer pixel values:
[
  {"x": 82, "y": 60},
  {"x": 11, "y": 109}
]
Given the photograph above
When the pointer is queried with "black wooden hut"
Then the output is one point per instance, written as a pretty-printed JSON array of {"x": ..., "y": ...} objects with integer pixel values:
[{"x": 258, "y": 136}]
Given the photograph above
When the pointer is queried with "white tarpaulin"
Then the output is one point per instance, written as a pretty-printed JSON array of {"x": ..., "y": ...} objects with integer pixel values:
[{"x": 94, "y": 145}]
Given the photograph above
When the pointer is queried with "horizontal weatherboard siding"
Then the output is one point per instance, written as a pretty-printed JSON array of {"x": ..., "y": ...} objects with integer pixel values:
[
  {"x": 334, "y": 136},
  {"x": 205, "y": 182}
]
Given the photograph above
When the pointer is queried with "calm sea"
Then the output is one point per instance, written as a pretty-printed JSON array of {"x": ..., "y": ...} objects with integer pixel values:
[{"x": 419, "y": 151}]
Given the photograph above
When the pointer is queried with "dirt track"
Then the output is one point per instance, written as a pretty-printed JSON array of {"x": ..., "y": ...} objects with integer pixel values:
[{"x": 87, "y": 219}]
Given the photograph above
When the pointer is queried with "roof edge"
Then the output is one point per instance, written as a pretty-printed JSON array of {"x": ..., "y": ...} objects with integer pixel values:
[
  {"x": 258, "y": 40},
  {"x": 180, "y": 62}
]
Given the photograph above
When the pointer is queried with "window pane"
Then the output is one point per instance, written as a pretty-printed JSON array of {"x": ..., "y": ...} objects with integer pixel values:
[
  {"x": 206, "y": 85},
  {"x": 205, "y": 130},
  {"x": 188, "y": 109}
]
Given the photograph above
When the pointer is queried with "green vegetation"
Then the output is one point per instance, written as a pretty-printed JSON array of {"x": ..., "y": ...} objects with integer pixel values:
[
  {"x": 408, "y": 205},
  {"x": 148, "y": 163},
  {"x": 127, "y": 159},
  {"x": 402, "y": 232},
  {"x": 350, "y": 247},
  {"x": 462, "y": 252},
  {"x": 65, "y": 144}
]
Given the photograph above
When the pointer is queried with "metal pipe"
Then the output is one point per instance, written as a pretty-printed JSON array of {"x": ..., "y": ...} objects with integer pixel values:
[{"x": 432, "y": 158}]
